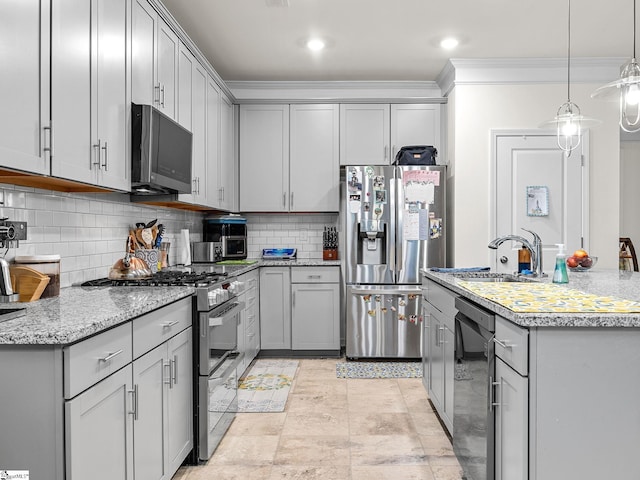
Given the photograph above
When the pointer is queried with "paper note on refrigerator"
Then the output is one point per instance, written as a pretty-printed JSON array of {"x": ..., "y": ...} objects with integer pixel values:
[
  {"x": 419, "y": 185},
  {"x": 415, "y": 225}
]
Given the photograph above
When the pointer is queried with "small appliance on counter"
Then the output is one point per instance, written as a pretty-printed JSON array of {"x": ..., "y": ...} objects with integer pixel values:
[
  {"x": 279, "y": 253},
  {"x": 206, "y": 252},
  {"x": 229, "y": 233}
]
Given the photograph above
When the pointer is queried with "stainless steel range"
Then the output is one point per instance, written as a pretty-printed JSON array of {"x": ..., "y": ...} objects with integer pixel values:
[{"x": 216, "y": 357}]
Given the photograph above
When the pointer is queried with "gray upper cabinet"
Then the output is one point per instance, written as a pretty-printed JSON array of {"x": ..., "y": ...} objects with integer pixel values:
[
  {"x": 154, "y": 60},
  {"x": 289, "y": 158},
  {"x": 228, "y": 186},
  {"x": 372, "y": 134},
  {"x": 24, "y": 123},
  {"x": 89, "y": 65}
]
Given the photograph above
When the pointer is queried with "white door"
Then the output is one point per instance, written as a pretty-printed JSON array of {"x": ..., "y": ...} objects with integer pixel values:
[{"x": 539, "y": 188}]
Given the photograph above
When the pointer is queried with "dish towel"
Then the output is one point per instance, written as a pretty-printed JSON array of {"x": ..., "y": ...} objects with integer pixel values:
[{"x": 460, "y": 270}]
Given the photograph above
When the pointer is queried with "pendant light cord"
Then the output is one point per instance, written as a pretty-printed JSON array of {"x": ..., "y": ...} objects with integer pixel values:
[
  {"x": 569, "y": 52},
  {"x": 634, "y": 28}
]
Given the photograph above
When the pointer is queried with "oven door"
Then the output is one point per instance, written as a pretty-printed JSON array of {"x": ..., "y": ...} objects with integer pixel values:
[
  {"x": 218, "y": 404},
  {"x": 218, "y": 335}
]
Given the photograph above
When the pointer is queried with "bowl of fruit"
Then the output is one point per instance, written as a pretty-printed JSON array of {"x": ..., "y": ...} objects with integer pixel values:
[{"x": 581, "y": 261}]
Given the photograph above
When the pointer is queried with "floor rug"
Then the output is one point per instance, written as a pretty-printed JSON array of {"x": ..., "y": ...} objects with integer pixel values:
[
  {"x": 379, "y": 370},
  {"x": 266, "y": 385}
]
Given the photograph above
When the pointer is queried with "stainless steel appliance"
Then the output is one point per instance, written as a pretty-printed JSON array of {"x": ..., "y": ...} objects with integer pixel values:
[
  {"x": 206, "y": 252},
  {"x": 230, "y": 233},
  {"x": 394, "y": 227},
  {"x": 216, "y": 358},
  {"x": 473, "y": 416},
  {"x": 160, "y": 153}
]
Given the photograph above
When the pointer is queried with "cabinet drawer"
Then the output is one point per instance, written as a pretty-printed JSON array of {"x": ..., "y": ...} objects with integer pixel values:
[
  {"x": 156, "y": 327},
  {"x": 315, "y": 275},
  {"x": 91, "y": 360},
  {"x": 512, "y": 345},
  {"x": 441, "y": 298}
]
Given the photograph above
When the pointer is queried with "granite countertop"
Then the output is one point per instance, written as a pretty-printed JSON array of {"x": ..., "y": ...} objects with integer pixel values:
[
  {"x": 79, "y": 312},
  {"x": 604, "y": 283},
  {"x": 240, "y": 269}
]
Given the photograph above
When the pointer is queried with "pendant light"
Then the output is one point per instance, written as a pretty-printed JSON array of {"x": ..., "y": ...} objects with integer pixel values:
[
  {"x": 627, "y": 87},
  {"x": 569, "y": 120}
]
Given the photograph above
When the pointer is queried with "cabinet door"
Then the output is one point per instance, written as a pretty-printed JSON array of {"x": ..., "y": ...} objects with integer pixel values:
[
  {"x": 99, "y": 430},
  {"x": 24, "y": 84},
  {"x": 199, "y": 130},
  {"x": 186, "y": 64},
  {"x": 314, "y": 179},
  {"x": 315, "y": 316},
  {"x": 228, "y": 179},
  {"x": 364, "y": 134},
  {"x": 426, "y": 342},
  {"x": 414, "y": 125},
  {"x": 436, "y": 329},
  {"x": 143, "y": 53},
  {"x": 149, "y": 378},
  {"x": 71, "y": 61},
  {"x": 167, "y": 64},
  {"x": 448, "y": 354},
  {"x": 275, "y": 308},
  {"x": 512, "y": 417},
  {"x": 213, "y": 144},
  {"x": 179, "y": 400},
  {"x": 264, "y": 158},
  {"x": 110, "y": 100}
]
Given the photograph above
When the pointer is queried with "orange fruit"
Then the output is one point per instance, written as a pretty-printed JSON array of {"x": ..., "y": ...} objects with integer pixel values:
[{"x": 580, "y": 253}]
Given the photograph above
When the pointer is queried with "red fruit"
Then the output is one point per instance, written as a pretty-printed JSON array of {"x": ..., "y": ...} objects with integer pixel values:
[
  {"x": 586, "y": 262},
  {"x": 572, "y": 262}
]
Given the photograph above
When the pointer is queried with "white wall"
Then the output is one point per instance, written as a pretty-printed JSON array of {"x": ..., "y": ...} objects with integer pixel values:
[{"x": 478, "y": 109}]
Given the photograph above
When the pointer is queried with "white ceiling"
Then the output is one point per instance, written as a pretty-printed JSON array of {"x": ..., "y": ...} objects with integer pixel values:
[{"x": 393, "y": 40}]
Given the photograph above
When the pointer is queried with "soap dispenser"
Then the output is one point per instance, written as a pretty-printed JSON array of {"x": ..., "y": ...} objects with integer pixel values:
[{"x": 560, "y": 272}]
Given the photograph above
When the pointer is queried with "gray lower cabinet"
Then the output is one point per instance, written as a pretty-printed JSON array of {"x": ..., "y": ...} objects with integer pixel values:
[
  {"x": 249, "y": 326},
  {"x": 115, "y": 406},
  {"x": 300, "y": 308},
  {"x": 162, "y": 410},
  {"x": 275, "y": 308},
  {"x": 99, "y": 430},
  {"x": 315, "y": 308},
  {"x": 438, "y": 354}
]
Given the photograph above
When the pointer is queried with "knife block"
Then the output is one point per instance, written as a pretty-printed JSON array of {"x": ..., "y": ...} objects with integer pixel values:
[{"x": 329, "y": 254}]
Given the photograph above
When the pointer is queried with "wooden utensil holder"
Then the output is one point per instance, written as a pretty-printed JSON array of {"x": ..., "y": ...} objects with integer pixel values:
[{"x": 330, "y": 254}]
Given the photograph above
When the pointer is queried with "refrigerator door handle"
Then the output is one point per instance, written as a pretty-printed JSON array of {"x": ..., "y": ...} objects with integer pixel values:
[{"x": 393, "y": 223}]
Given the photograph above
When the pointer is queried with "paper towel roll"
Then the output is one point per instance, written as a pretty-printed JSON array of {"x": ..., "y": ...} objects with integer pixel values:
[{"x": 184, "y": 253}]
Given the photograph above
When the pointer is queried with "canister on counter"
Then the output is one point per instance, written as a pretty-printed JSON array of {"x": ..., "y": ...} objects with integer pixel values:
[
  {"x": 524, "y": 259},
  {"x": 48, "y": 265}
]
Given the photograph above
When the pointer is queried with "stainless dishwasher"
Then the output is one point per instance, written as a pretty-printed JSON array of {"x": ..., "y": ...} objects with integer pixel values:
[{"x": 473, "y": 416}]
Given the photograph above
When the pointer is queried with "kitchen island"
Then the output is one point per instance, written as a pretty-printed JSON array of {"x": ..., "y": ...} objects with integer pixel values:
[{"x": 565, "y": 384}]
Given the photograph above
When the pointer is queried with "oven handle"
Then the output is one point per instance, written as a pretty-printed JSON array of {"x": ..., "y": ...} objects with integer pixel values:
[
  {"x": 211, "y": 319},
  {"x": 222, "y": 378}
]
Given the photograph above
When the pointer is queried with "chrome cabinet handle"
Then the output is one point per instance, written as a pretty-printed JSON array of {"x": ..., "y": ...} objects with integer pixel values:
[
  {"x": 170, "y": 324},
  {"x": 174, "y": 375},
  {"x": 294, "y": 298},
  {"x": 110, "y": 356},
  {"x": 222, "y": 193},
  {"x": 291, "y": 202},
  {"x": 167, "y": 380},
  {"x": 106, "y": 156},
  {"x": 162, "y": 92},
  {"x": 48, "y": 146},
  {"x": 96, "y": 148},
  {"x": 314, "y": 276},
  {"x": 198, "y": 185},
  {"x": 284, "y": 199},
  {"x": 156, "y": 90},
  {"x": 502, "y": 344},
  {"x": 134, "y": 401},
  {"x": 493, "y": 384}
]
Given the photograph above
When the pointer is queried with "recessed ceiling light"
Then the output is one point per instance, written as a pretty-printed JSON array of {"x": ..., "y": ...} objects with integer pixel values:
[
  {"x": 315, "y": 44},
  {"x": 449, "y": 43}
]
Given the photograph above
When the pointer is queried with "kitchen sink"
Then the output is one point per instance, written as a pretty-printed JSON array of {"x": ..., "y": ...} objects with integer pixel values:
[
  {"x": 11, "y": 313},
  {"x": 493, "y": 277}
]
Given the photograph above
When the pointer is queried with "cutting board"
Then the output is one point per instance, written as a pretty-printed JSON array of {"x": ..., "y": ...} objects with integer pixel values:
[{"x": 548, "y": 298}]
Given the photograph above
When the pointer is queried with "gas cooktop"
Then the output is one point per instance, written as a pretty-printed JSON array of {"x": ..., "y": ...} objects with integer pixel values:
[{"x": 165, "y": 278}]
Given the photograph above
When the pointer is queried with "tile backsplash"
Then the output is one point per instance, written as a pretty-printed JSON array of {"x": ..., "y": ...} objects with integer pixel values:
[
  {"x": 89, "y": 230},
  {"x": 298, "y": 230}
]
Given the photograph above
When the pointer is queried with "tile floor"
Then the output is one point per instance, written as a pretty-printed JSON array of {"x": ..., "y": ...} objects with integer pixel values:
[{"x": 336, "y": 429}]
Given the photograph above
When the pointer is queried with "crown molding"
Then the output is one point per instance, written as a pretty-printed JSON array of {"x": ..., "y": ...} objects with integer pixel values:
[
  {"x": 518, "y": 71},
  {"x": 335, "y": 91}
]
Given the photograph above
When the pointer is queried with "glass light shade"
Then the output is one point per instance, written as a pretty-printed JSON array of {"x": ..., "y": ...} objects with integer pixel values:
[
  {"x": 627, "y": 88},
  {"x": 569, "y": 123}
]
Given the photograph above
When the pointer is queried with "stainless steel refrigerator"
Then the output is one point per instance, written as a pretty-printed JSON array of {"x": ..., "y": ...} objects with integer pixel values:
[{"x": 394, "y": 227}]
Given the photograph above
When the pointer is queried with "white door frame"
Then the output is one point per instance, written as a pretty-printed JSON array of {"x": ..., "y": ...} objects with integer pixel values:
[{"x": 583, "y": 150}]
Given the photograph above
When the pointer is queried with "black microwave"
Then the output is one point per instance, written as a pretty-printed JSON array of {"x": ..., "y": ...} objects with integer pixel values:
[{"x": 160, "y": 153}]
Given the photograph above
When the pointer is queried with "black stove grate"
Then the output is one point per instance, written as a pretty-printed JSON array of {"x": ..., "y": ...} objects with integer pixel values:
[{"x": 162, "y": 279}]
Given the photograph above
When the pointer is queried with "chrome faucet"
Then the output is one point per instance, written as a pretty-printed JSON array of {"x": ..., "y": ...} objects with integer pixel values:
[{"x": 534, "y": 248}]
